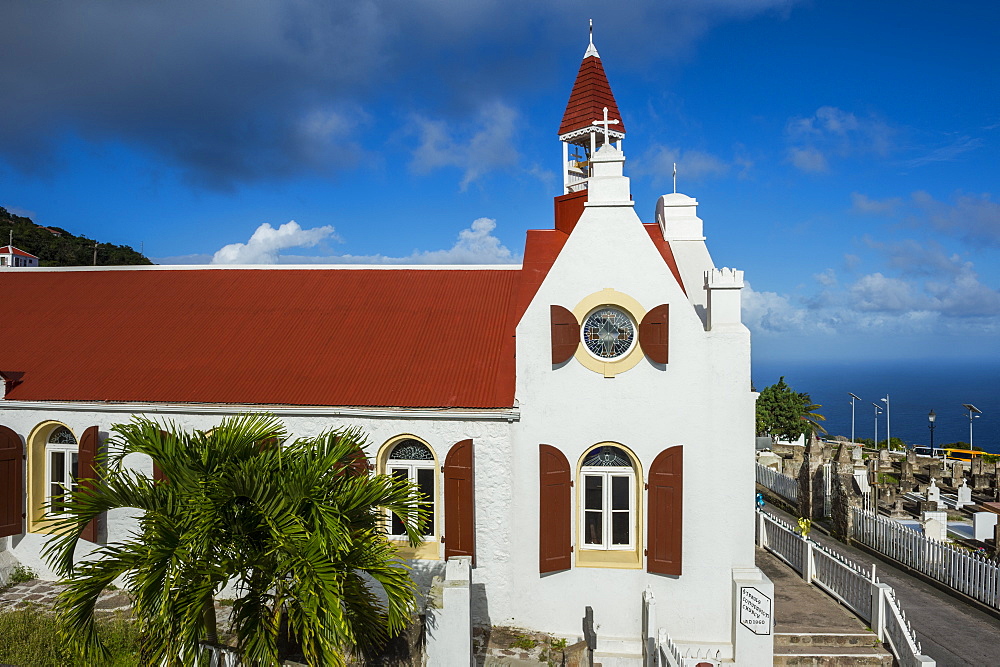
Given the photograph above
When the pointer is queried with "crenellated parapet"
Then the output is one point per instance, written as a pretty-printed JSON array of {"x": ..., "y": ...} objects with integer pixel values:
[{"x": 723, "y": 287}]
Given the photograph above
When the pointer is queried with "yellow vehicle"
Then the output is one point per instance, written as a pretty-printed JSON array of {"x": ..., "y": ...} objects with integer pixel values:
[{"x": 962, "y": 454}]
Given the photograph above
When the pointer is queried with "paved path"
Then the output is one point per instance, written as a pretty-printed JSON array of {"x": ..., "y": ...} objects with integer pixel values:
[
  {"x": 950, "y": 631},
  {"x": 43, "y": 594}
]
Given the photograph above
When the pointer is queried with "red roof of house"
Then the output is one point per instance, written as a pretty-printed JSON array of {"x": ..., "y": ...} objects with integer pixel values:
[
  {"x": 591, "y": 93},
  {"x": 11, "y": 250},
  {"x": 336, "y": 337}
]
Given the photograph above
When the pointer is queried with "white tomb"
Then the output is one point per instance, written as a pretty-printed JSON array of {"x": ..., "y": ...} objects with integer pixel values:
[
  {"x": 983, "y": 524},
  {"x": 935, "y": 530}
]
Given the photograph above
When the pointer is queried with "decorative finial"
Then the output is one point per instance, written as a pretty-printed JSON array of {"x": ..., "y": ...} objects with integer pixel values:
[
  {"x": 675, "y": 178},
  {"x": 591, "y": 32},
  {"x": 605, "y": 123}
]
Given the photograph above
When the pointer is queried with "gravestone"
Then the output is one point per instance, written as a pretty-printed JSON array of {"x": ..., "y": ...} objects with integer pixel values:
[
  {"x": 983, "y": 525},
  {"x": 981, "y": 482},
  {"x": 977, "y": 466},
  {"x": 924, "y": 506},
  {"x": 996, "y": 540},
  {"x": 897, "y": 510},
  {"x": 935, "y": 530},
  {"x": 906, "y": 471},
  {"x": 856, "y": 455},
  {"x": 911, "y": 458},
  {"x": 957, "y": 475},
  {"x": 933, "y": 492},
  {"x": 964, "y": 496},
  {"x": 934, "y": 470}
]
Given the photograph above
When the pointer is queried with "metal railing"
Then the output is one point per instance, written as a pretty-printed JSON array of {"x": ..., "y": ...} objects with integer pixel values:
[
  {"x": 783, "y": 485},
  {"x": 969, "y": 573}
]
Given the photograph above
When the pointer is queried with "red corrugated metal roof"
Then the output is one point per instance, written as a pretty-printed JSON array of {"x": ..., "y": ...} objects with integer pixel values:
[
  {"x": 591, "y": 93},
  {"x": 338, "y": 337},
  {"x": 666, "y": 252},
  {"x": 11, "y": 250}
]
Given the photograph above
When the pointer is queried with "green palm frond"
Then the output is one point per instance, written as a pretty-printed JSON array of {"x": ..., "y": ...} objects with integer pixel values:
[{"x": 300, "y": 525}]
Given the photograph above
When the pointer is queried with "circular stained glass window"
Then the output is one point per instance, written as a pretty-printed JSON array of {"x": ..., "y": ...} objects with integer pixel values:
[{"x": 608, "y": 332}]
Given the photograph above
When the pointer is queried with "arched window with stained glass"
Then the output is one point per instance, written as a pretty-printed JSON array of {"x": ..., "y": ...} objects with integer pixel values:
[
  {"x": 62, "y": 467},
  {"x": 414, "y": 461},
  {"x": 609, "y": 499}
]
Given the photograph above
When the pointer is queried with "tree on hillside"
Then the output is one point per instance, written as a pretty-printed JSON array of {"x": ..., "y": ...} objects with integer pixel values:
[
  {"x": 62, "y": 248},
  {"x": 298, "y": 525},
  {"x": 784, "y": 414}
]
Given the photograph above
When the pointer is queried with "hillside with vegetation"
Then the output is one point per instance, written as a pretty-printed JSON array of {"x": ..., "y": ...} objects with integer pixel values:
[{"x": 57, "y": 247}]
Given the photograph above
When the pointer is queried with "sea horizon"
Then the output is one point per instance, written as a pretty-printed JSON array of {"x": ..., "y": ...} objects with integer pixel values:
[{"x": 914, "y": 389}]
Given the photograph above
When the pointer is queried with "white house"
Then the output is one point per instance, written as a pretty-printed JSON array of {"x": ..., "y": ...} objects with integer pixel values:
[
  {"x": 11, "y": 256},
  {"x": 583, "y": 422}
]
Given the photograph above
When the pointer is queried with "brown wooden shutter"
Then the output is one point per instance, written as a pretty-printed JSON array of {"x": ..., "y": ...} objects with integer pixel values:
[
  {"x": 460, "y": 501},
  {"x": 565, "y": 334},
  {"x": 666, "y": 477},
  {"x": 359, "y": 465},
  {"x": 554, "y": 540},
  {"x": 11, "y": 483},
  {"x": 86, "y": 462},
  {"x": 654, "y": 332}
]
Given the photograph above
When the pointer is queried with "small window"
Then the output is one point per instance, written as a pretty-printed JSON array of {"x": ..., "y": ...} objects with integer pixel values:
[
  {"x": 62, "y": 468},
  {"x": 608, "y": 507},
  {"x": 413, "y": 460}
]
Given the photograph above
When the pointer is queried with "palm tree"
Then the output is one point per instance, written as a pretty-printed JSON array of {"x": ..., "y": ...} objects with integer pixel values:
[
  {"x": 298, "y": 525},
  {"x": 810, "y": 416}
]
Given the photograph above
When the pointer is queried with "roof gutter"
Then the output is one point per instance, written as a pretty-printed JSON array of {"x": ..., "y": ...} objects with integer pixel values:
[{"x": 454, "y": 414}]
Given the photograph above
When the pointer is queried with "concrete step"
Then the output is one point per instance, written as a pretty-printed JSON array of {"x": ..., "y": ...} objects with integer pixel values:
[
  {"x": 829, "y": 656},
  {"x": 824, "y": 639}
]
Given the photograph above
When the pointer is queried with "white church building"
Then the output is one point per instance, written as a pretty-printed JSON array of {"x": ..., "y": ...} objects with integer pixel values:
[{"x": 582, "y": 422}]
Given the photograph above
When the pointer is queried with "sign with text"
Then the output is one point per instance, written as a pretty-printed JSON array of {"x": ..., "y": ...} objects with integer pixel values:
[{"x": 755, "y": 610}]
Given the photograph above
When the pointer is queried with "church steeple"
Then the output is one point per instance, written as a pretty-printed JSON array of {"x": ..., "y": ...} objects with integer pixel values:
[{"x": 581, "y": 138}]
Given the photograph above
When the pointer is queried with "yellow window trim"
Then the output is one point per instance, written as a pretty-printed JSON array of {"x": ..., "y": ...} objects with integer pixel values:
[
  {"x": 36, "y": 482},
  {"x": 623, "y": 559},
  {"x": 431, "y": 547},
  {"x": 610, "y": 297}
]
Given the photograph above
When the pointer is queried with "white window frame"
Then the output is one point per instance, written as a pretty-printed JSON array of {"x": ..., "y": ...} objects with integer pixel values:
[
  {"x": 68, "y": 483},
  {"x": 412, "y": 466},
  {"x": 606, "y": 474}
]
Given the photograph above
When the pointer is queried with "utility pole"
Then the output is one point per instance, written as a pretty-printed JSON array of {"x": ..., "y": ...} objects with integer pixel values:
[{"x": 95, "y": 253}]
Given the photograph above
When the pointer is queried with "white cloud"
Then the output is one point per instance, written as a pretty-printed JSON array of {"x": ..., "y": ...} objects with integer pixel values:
[
  {"x": 948, "y": 153},
  {"x": 861, "y": 203},
  {"x": 488, "y": 144},
  {"x": 692, "y": 165},
  {"x": 832, "y": 132},
  {"x": 475, "y": 245},
  {"x": 267, "y": 242},
  {"x": 807, "y": 158}
]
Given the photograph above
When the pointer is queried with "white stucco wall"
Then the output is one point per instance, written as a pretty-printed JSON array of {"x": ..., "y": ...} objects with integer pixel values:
[{"x": 701, "y": 399}]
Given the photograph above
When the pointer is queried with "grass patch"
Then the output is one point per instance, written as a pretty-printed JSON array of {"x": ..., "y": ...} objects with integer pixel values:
[
  {"x": 21, "y": 574},
  {"x": 29, "y": 638}
]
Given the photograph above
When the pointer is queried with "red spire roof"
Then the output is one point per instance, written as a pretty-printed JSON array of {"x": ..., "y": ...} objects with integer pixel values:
[
  {"x": 591, "y": 93},
  {"x": 11, "y": 250}
]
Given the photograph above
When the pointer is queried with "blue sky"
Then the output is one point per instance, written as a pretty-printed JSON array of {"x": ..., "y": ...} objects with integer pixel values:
[{"x": 843, "y": 153}]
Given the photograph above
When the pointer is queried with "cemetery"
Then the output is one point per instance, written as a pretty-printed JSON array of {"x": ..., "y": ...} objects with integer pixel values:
[{"x": 938, "y": 518}]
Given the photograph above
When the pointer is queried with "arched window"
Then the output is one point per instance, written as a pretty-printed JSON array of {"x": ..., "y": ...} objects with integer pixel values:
[
  {"x": 608, "y": 507},
  {"x": 61, "y": 467},
  {"x": 412, "y": 460}
]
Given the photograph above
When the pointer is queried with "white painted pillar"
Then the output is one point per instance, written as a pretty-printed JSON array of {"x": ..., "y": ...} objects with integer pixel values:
[
  {"x": 565, "y": 167},
  {"x": 879, "y": 594},
  {"x": 753, "y": 618},
  {"x": 449, "y": 615}
]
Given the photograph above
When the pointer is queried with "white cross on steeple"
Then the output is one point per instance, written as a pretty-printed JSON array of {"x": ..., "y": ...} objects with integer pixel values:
[{"x": 606, "y": 123}]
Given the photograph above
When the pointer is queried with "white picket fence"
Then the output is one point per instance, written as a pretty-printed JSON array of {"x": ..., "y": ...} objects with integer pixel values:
[
  {"x": 972, "y": 574},
  {"x": 221, "y": 656},
  {"x": 783, "y": 485},
  {"x": 854, "y": 586}
]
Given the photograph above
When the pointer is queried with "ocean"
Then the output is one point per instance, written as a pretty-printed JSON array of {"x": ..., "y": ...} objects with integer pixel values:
[{"x": 914, "y": 389}]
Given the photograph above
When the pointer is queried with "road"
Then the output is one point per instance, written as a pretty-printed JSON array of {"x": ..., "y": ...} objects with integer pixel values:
[{"x": 952, "y": 632}]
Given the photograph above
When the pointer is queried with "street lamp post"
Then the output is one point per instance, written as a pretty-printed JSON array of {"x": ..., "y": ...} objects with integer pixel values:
[
  {"x": 878, "y": 411},
  {"x": 974, "y": 413},
  {"x": 853, "y": 399},
  {"x": 888, "y": 432},
  {"x": 930, "y": 419}
]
